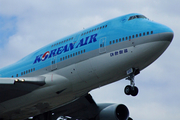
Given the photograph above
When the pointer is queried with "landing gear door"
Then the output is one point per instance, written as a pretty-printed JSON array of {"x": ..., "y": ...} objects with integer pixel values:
[{"x": 102, "y": 45}]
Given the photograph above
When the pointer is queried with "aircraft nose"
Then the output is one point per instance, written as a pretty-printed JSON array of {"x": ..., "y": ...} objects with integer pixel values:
[
  {"x": 167, "y": 36},
  {"x": 165, "y": 33}
]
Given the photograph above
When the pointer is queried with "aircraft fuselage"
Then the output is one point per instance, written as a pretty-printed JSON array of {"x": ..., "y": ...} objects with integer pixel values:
[{"x": 74, "y": 65}]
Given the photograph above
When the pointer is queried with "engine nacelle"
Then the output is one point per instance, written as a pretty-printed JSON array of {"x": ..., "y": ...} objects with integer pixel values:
[{"x": 113, "y": 112}]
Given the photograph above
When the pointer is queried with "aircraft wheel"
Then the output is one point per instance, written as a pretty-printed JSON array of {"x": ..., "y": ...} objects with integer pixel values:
[
  {"x": 127, "y": 90},
  {"x": 134, "y": 91}
]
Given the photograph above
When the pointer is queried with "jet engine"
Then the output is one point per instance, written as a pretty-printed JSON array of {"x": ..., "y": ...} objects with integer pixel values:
[{"x": 113, "y": 112}]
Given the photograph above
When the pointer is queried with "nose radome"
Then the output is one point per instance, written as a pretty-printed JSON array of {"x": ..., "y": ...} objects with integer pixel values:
[
  {"x": 165, "y": 33},
  {"x": 167, "y": 36}
]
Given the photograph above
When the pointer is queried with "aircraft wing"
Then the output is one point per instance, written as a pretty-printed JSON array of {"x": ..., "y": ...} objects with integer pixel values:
[{"x": 15, "y": 87}]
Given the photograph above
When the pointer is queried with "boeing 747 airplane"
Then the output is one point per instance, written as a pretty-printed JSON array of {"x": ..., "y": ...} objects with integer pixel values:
[{"x": 56, "y": 79}]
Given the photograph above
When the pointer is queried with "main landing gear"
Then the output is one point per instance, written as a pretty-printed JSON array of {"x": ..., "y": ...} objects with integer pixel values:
[{"x": 131, "y": 89}]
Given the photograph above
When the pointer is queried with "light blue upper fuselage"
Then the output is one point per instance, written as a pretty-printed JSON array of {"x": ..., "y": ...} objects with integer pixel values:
[{"x": 83, "y": 42}]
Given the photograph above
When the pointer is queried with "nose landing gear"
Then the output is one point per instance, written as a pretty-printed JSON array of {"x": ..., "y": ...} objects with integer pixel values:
[{"x": 131, "y": 89}]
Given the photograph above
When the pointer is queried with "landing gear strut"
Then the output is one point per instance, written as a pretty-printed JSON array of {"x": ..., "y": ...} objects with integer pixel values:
[{"x": 131, "y": 89}]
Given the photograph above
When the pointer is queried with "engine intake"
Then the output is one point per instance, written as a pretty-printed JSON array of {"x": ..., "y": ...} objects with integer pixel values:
[{"x": 113, "y": 112}]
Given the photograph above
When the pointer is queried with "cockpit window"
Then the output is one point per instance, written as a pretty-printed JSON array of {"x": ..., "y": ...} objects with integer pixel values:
[{"x": 136, "y": 16}]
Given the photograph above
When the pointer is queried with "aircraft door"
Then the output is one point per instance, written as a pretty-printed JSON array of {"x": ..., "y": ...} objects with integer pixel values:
[
  {"x": 102, "y": 45},
  {"x": 53, "y": 63}
]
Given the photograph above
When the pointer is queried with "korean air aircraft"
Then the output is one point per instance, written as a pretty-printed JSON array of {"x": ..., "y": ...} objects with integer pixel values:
[{"x": 56, "y": 79}]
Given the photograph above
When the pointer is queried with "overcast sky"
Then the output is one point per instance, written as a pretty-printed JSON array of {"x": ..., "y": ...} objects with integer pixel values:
[{"x": 26, "y": 25}]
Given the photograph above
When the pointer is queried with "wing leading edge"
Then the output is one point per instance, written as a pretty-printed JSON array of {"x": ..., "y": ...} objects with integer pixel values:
[{"x": 14, "y": 87}]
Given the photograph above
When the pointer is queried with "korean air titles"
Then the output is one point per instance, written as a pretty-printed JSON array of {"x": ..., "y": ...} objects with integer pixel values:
[{"x": 66, "y": 48}]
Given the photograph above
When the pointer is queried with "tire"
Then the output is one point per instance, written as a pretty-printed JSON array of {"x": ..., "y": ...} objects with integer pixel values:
[
  {"x": 127, "y": 90},
  {"x": 134, "y": 91},
  {"x": 130, "y": 118}
]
